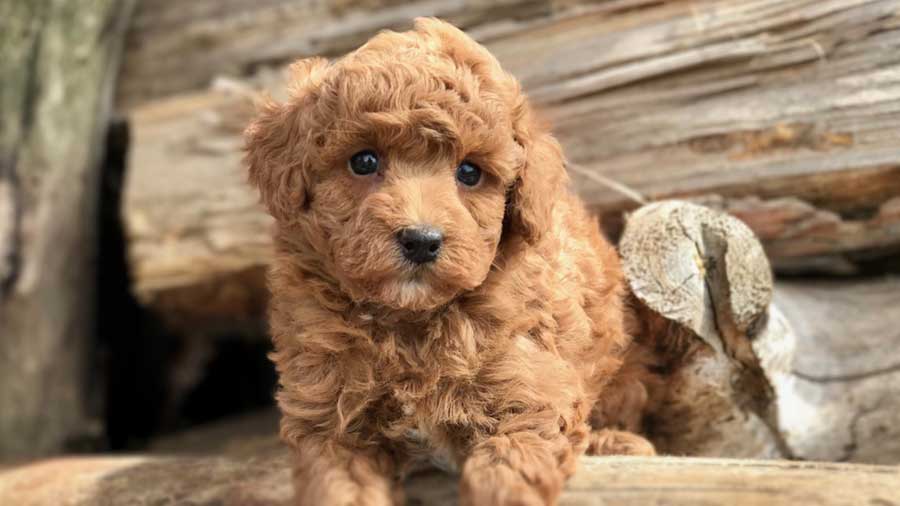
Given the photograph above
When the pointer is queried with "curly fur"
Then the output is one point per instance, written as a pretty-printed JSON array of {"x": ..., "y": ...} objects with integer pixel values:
[{"x": 491, "y": 360}]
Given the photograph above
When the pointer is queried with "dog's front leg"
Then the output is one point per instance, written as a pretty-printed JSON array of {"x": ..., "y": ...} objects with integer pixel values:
[
  {"x": 526, "y": 463},
  {"x": 329, "y": 473}
]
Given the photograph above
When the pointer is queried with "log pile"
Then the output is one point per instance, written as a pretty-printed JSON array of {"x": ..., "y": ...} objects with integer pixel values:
[
  {"x": 780, "y": 113},
  {"x": 781, "y": 117}
]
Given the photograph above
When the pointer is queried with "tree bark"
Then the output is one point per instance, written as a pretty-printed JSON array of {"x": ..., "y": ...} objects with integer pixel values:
[{"x": 58, "y": 61}]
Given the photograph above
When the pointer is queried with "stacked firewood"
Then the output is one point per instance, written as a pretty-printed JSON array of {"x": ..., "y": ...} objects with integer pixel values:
[
  {"x": 779, "y": 117},
  {"x": 782, "y": 114}
]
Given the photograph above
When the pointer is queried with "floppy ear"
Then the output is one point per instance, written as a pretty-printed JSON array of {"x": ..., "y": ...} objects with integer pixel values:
[
  {"x": 542, "y": 178},
  {"x": 277, "y": 143}
]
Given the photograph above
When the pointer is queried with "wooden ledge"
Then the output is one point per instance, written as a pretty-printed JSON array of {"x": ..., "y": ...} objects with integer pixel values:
[{"x": 264, "y": 480}]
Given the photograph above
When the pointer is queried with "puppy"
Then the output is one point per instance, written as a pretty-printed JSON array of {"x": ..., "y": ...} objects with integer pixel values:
[{"x": 437, "y": 291}]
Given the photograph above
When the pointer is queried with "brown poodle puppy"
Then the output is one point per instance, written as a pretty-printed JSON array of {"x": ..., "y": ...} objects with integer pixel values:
[{"x": 438, "y": 292}]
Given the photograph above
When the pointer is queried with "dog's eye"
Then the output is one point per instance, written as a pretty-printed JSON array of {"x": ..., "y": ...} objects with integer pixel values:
[
  {"x": 364, "y": 163},
  {"x": 468, "y": 173}
]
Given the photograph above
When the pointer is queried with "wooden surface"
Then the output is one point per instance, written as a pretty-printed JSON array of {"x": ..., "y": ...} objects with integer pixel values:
[
  {"x": 264, "y": 480},
  {"x": 703, "y": 269},
  {"x": 198, "y": 241},
  {"x": 841, "y": 400},
  {"x": 780, "y": 112},
  {"x": 814, "y": 375},
  {"x": 175, "y": 48},
  {"x": 58, "y": 62}
]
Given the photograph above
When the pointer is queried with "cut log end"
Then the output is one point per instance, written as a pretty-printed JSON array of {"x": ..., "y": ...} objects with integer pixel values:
[
  {"x": 706, "y": 273},
  {"x": 701, "y": 268}
]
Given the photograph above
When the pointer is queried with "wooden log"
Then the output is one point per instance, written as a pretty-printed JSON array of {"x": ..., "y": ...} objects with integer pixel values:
[
  {"x": 703, "y": 290},
  {"x": 198, "y": 240},
  {"x": 810, "y": 373},
  {"x": 779, "y": 112},
  {"x": 176, "y": 48},
  {"x": 841, "y": 400},
  {"x": 58, "y": 61},
  {"x": 263, "y": 479}
]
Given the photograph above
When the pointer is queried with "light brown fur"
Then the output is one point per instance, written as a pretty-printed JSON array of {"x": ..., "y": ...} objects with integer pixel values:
[{"x": 494, "y": 357}]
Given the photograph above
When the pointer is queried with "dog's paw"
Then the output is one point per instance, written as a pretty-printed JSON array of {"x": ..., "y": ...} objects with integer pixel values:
[
  {"x": 617, "y": 442},
  {"x": 350, "y": 496},
  {"x": 500, "y": 487},
  {"x": 489, "y": 482}
]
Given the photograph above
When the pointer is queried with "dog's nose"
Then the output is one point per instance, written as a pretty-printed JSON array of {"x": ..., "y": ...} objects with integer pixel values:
[{"x": 420, "y": 244}]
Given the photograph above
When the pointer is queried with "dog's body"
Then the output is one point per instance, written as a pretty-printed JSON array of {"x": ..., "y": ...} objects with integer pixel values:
[{"x": 499, "y": 352}]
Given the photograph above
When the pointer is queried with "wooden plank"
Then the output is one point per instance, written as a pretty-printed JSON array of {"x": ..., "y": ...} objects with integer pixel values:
[{"x": 263, "y": 479}]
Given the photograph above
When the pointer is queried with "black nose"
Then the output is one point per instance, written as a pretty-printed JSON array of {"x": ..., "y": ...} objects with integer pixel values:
[{"x": 420, "y": 244}]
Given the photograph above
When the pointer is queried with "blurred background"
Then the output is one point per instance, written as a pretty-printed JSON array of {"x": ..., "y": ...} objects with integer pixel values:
[{"x": 132, "y": 254}]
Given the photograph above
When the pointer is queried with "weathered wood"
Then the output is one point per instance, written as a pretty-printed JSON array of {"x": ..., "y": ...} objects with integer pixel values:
[
  {"x": 702, "y": 269},
  {"x": 781, "y": 112},
  {"x": 198, "y": 241},
  {"x": 176, "y": 48},
  {"x": 841, "y": 400},
  {"x": 263, "y": 479},
  {"x": 703, "y": 287},
  {"x": 812, "y": 373},
  {"x": 58, "y": 61}
]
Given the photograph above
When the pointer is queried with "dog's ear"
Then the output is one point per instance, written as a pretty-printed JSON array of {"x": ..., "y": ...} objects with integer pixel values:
[
  {"x": 541, "y": 181},
  {"x": 276, "y": 143}
]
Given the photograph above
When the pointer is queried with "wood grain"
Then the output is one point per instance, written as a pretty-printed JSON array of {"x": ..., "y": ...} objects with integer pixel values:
[
  {"x": 703, "y": 288},
  {"x": 263, "y": 479},
  {"x": 841, "y": 401},
  {"x": 810, "y": 373},
  {"x": 176, "y": 48}
]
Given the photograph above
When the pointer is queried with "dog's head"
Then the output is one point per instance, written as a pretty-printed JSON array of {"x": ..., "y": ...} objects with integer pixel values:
[{"x": 405, "y": 166}]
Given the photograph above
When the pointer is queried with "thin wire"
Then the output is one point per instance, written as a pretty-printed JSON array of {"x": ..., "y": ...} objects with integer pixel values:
[{"x": 611, "y": 184}]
